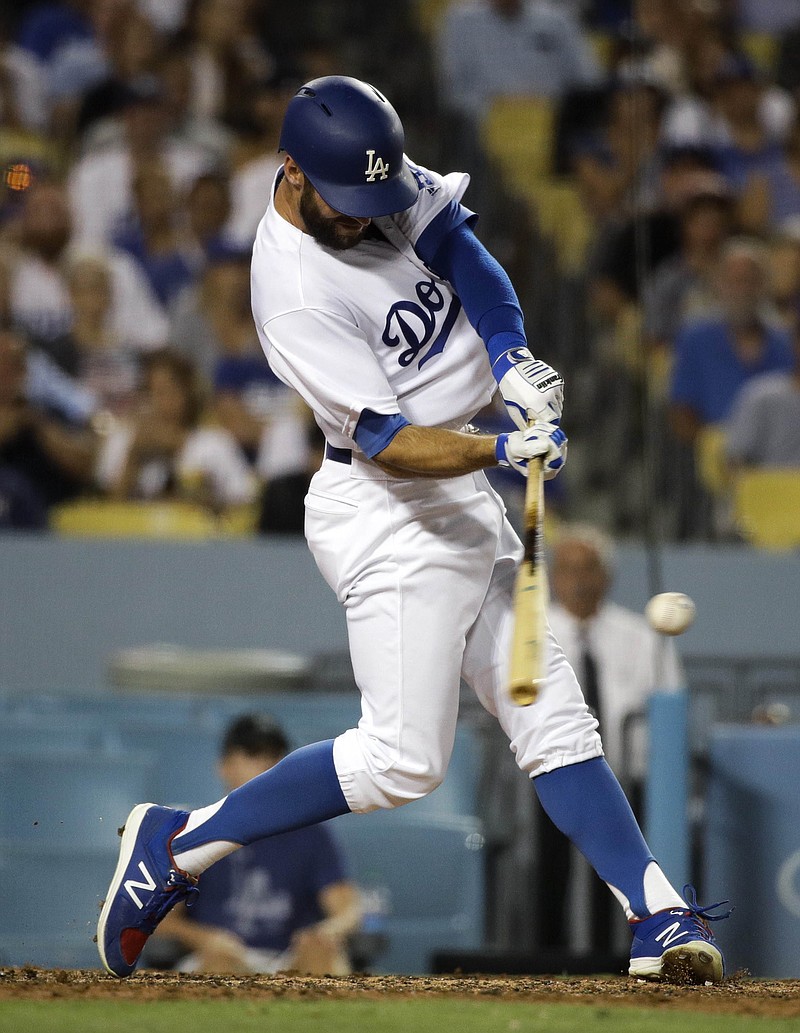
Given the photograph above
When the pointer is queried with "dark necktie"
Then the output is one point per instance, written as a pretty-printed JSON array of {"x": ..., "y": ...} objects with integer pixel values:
[
  {"x": 600, "y": 898},
  {"x": 590, "y": 683}
]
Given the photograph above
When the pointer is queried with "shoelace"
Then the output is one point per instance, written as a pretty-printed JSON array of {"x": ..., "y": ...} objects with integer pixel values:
[
  {"x": 178, "y": 887},
  {"x": 702, "y": 915}
]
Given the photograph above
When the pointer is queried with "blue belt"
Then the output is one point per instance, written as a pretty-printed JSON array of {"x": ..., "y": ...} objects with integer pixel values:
[{"x": 338, "y": 455}]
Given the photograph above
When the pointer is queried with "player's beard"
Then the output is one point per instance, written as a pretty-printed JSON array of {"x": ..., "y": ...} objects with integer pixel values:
[{"x": 339, "y": 233}]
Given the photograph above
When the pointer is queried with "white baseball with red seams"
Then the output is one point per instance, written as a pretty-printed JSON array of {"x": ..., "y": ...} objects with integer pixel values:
[{"x": 670, "y": 613}]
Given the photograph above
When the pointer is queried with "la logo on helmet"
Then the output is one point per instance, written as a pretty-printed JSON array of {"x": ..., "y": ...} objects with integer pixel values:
[{"x": 376, "y": 169}]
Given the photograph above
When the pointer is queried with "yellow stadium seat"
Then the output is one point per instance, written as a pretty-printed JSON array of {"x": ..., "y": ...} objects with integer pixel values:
[
  {"x": 767, "y": 507},
  {"x": 762, "y": 49},
  {"x": 429, "y": 14},
  {"x": 712, "y": 463},
  {"x": 562, "y": 217},
  {"x": 603, "y": 46},
  {"x": 100, "y": 518},
  {"x": 518, "y": 135}
]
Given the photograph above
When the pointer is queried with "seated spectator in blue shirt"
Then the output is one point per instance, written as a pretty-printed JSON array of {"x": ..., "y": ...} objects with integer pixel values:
[
  {"x": 281, "y": 903},
  {"x": 764, "y": 427},
  {"x": 748, "y": 144},
  {"x": 46, "y": 446},
  {"x": 714, "y": 358},
  {"x": 150, "y": 234},
  {"x": 494, "y": 48},
  {"x": 771, "y": 199}
]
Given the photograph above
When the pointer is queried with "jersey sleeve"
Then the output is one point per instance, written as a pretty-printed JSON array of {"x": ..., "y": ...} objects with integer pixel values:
[
  {"x": 436, "y": 194},
  {"x": 326, "y": 359}
]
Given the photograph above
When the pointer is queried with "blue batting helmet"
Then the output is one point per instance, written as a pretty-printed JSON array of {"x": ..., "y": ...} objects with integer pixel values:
[{"x": 348, "y": 140}]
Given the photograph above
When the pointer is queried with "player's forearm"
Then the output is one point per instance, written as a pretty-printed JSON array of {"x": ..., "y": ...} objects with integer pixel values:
[{"x": 435, "y": 452}]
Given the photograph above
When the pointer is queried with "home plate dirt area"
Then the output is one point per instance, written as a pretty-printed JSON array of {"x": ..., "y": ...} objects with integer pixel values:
[{"x": 738, "y": 995}]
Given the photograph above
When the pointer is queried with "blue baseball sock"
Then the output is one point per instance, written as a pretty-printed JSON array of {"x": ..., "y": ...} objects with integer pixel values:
[
  {"x": 587, "y": 803},
  {"x": 300, "y": 790}
]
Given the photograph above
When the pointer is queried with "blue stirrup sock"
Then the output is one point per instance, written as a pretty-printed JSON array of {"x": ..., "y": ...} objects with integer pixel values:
[
  {"x": 587, "y": 803},
  {"x": 300, "y": 790}
]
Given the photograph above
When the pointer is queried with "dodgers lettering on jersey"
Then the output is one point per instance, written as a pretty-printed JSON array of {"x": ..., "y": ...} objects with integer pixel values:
[
  {"x": 371, "y": 327},
  {"x": 415, "y": 324}
]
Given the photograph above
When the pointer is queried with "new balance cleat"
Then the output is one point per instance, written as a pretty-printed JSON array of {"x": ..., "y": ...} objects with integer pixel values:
[
  {"x": 146, "y": 885},
  {"x": 677, "y": 945}
]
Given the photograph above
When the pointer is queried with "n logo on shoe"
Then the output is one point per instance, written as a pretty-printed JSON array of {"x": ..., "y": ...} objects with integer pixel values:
[
  {"x": 671, "y": 934},
  {"x": 131, "y": 885}
]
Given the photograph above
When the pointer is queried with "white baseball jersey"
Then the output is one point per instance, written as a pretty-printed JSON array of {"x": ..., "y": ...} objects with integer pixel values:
[{"x": 371, "y": 327}]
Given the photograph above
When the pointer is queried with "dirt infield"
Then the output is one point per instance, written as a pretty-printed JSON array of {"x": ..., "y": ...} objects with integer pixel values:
[{"x": 738, "y": 995}]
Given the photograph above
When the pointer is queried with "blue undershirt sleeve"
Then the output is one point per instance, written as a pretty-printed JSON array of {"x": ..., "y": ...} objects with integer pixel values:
[
  {"x": 375, "y": 430},
  {"x": 490, "y": 302}
]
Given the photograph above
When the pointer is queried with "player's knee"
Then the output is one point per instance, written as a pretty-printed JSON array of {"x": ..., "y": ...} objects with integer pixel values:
[
  {"x": 374, "y": 776},
  {"x": 402, "y": 786}
]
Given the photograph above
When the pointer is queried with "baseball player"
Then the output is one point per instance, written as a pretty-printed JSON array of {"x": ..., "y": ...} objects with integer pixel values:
[{"x": 375, "y": 301}]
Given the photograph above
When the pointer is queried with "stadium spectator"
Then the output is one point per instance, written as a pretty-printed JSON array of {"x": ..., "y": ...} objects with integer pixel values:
[
  {"x": 22, "y": 96},
  {"x": 256, "y": 159},
  {"x": 714, "y": 358},
  {"x": 682, "y": 287},
  {"x": 783, "y": 281},
  {"x": 622, "y": 663},
  {"x": 132, "y": 49},
  {"x": 213, "y": 324},
  {"x": 46, "y": 444},
  {"x": 212, "y": 318},
  {"x": 731, "y": 107},
  {"x": 207, "y": 210},
  {"x": 282, "y": 903},
  {"x": 619, "y": 171},
  {"x": 495, "y": 48},
  {"x": 165, "y": 451},
  {"x": 151, "y": 236},
  {"x": 174, "y": 71},
  {"x": 79, "y": 62},
  {"x": 770, "y": 199},
  {"x": 100, "y": 181},
  {"x": 39, "y": 296},
  {"x": 93, "y": 351},
  {"x": 764, "y": 425},
  {"x": 227, "y": 59}
]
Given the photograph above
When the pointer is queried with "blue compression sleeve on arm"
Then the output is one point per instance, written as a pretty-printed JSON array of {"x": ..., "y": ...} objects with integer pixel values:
[{"x": 482, "y": 284}]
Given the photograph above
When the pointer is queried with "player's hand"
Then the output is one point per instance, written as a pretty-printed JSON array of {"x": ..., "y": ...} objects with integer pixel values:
[
  {"x": 532, "y": 390},
  {"x": 540, "y": 439}
]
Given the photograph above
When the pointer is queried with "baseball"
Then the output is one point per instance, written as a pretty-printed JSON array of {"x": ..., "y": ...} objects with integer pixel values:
[{"x": 670, "y": 613}]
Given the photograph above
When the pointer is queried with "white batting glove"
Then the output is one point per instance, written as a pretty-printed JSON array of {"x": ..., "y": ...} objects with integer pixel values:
[
  {"x": 540, "y": 439},
  {"x": 532, "y": 390}
]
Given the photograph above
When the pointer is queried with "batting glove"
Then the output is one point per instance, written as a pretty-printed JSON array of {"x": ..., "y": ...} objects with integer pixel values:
[
  {"x": 532, "y": 390},
  {"x": 540, "y": 439}
]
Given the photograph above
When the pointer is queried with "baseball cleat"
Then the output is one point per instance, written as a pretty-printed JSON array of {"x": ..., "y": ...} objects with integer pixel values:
[
  {"x": 677, "y": 945},
  {"x": 146, "y": 885}
]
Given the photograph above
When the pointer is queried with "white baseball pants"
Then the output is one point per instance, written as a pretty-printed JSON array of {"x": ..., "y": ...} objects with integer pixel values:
[{"x": 425, "y": 570}]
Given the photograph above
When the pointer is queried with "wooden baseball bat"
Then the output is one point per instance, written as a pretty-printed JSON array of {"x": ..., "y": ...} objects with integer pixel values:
[{"x": 528, "y": 646}]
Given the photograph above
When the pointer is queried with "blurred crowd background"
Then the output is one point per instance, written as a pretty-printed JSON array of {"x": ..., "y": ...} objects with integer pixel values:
[{"x": 635, "y": 165}]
